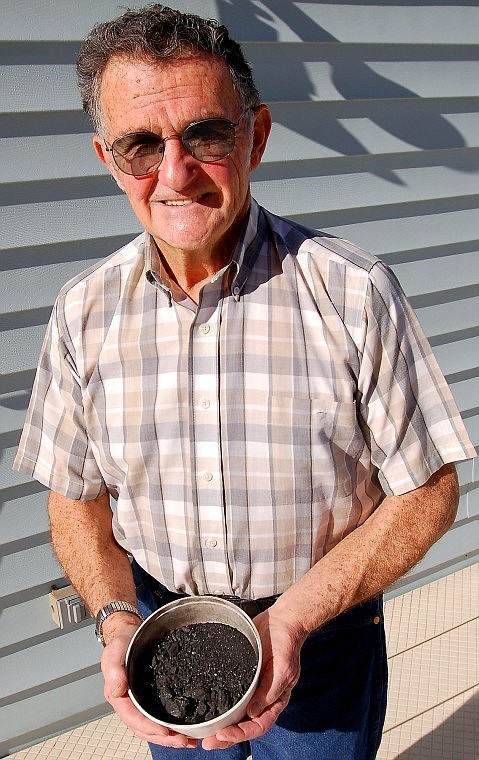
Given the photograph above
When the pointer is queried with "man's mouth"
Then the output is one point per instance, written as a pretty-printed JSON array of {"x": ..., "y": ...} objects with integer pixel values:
[{"x": 182, "y": 201}]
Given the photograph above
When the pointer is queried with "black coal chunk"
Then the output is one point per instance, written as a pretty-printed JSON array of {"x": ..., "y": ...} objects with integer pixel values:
[{"x": 199, "y": 672}]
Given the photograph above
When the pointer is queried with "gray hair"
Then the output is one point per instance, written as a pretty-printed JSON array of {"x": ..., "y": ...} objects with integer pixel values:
[{"x": 157, "y": 33}]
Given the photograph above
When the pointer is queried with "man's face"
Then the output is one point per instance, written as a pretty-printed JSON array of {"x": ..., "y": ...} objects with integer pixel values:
[{"x": 190, "y": 208}]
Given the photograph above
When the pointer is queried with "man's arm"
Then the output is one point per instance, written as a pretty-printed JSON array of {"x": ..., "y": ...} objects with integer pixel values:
[
  {"x": 393, "y": 539},
  {"x": 371, "y": 558},
  {"x": 96, "y": 565},
  {"x": 100, "y": 571}
]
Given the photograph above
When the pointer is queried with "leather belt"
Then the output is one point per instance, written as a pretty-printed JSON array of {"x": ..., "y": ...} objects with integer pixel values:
[{"x": 252, "y": 607}]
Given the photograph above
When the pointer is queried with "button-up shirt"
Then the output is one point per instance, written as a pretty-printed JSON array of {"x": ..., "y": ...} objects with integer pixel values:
[{"x": 242, "y": 437}]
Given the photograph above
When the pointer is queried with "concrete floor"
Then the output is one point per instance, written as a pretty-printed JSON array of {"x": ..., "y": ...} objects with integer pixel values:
[{"x": 433, "y": 710}]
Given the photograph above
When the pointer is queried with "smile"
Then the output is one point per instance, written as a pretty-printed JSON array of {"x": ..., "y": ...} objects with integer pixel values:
[{"x": 183, "y": 201}]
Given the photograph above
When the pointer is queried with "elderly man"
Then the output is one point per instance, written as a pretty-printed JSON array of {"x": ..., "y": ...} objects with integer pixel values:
[{"x": 257, "y": 399}]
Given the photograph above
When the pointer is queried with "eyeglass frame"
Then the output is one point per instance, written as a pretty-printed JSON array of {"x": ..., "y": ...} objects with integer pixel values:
[{"x": 178, "y": 136}]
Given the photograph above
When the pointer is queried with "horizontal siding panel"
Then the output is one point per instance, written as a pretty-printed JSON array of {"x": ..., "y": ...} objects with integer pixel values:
[
  {"x": 38, "y": 88},
  {"x": 444, "y": 318},
  {"x": 465, "y": 471},
  {"x": 289, "y": 72},
  {"x": 40, "y": 285},
  {"x": 375, "y": 23},
  {"x": 25, "y": 570},
  {"x": 472, "y": 423},
  {"x": 466, "y": 393},
  {"x": 19, "y": 349},
  {"x": 382, "y": 184},
  {"x": 308, "y": 133},
  {"x": 401, "y": 235},
  {"x": 52, "y": 223},
  {"x": 48, "y": 662},
  {"x": 293, "y": 72},
  {"x": 83, "y": 251},
  {"x": 23, "y": 517},
  {"x": 26, "y": 622},
  {"x": 38, "y": 717},
  {"x": 459, "y": 356},
  {"x": 28, "y": 159},
  {"x": 12, "y": 408},
  {"x": 450, "y": 272},
  {"x": 64, "y": 20}
]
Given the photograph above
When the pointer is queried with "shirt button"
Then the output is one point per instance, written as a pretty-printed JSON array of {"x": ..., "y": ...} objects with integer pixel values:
[
  {"x": 205, "y": 329},
  {"x": 208, "y": 476},
  {"x": 211, "y": 543},
  {"x": 205, "y": 404}
]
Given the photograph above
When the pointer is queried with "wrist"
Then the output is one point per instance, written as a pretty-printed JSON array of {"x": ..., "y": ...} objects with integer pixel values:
[{"x": 113, "y": 617}]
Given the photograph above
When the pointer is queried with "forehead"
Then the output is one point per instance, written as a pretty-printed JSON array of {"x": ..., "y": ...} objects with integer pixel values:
[{"x": 189, "y": 87}]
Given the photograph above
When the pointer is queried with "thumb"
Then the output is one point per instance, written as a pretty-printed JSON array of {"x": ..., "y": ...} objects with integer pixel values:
[{"x": 113, "y": 669}]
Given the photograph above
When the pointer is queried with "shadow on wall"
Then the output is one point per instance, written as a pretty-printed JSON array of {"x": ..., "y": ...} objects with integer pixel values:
[
  {"x": 353, "y": 79},
  {"x": 458, "y": 733}
]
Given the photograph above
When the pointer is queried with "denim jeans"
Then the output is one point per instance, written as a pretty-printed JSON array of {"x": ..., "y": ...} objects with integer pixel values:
[{"x": 337, "y": 708}]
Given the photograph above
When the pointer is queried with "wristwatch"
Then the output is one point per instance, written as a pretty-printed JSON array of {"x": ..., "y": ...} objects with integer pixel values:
[{"x": 108, "y": 610}]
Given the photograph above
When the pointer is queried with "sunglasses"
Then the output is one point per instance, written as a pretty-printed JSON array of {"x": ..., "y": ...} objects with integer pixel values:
[{"x": 208, "y": 140}]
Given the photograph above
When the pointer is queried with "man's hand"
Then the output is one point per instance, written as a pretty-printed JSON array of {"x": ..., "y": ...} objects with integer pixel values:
[
  {"x": 281, "y": 643},
  {"x": 116, "y": 693}
]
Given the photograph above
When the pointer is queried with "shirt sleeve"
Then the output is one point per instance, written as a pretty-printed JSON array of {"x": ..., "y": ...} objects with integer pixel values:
[
  {"x": 411, "y": 421},
  {"x": 54, "y": 447}
]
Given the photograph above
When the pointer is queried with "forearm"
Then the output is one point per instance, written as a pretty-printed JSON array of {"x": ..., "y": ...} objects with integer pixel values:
[
  {"x": 394, "y": 538},
  {"x": 95, "y": 564}
]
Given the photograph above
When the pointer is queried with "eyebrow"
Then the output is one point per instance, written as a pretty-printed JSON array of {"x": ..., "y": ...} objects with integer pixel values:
[{"x": 188, "y": 124}]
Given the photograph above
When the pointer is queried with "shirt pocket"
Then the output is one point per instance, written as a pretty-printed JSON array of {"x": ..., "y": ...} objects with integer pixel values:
[
  {"x": 301, "y": 449},
  {"x": 337, "y": 443}
]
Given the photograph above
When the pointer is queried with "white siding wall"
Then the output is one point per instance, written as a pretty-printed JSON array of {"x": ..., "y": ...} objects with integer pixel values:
[{"x": 376, "y": 138}]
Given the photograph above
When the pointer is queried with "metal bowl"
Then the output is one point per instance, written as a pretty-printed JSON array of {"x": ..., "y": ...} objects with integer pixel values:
[{"x": 182, "y": 612}]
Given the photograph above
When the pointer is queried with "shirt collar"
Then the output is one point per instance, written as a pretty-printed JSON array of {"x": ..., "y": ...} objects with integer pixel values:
[{"x": 239, "y": 266}]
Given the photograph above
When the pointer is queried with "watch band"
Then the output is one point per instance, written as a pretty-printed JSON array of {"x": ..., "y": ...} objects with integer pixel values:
[{"x": 108, "y": 610}]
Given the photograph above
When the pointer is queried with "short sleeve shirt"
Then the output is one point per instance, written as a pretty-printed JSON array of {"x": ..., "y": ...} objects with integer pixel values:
[{"x": 243, "y": 437}]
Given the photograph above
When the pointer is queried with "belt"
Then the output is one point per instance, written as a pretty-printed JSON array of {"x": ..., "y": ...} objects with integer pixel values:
[{"x": 252, "y": 607}]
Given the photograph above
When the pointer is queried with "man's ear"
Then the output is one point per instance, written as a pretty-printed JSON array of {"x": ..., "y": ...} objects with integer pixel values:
[
  {"x": 105, "y": 158},
  {"x": 261, "y": 130}
]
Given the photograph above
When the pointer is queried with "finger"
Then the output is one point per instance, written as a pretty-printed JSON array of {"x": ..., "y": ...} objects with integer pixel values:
[
  {"x": 211, "y": 742},
  {"x": 113, "y": 668},
  {"x": 255, "y": 727},
  {"x": 142, "y": 726},
  {"x": 265, "y": 696},
  {"x": 116, "y": 688}
]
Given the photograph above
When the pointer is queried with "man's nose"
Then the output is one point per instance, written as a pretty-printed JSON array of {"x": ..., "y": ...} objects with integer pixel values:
[{"x": 177, "y": 163}]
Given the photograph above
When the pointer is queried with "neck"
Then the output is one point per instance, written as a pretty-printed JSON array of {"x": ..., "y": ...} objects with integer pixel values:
[
  {"x": 191, "y": 270},
  {"x": 191, "y": 274}
]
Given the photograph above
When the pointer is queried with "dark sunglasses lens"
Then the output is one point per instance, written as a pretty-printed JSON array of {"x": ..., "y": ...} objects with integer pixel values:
[
  {"x": 210, "y": 140},
  {"x": 138, "y": 154}
]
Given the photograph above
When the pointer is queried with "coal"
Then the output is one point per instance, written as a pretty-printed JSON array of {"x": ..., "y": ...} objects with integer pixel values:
[{"x": 198, "y": 672}]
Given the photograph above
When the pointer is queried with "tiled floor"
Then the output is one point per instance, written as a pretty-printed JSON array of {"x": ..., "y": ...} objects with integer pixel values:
[{"x": 433, "y": 711}]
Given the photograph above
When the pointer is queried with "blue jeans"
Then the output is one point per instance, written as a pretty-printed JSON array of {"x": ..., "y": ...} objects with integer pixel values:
[{"x": 337, "y": 708}]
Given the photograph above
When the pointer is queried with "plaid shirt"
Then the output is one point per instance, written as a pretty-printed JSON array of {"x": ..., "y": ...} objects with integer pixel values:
[{"x": 243, "y": 438}]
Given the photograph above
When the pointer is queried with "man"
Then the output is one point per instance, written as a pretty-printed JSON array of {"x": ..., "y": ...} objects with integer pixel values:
[{"x": 257, "y": 398}]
